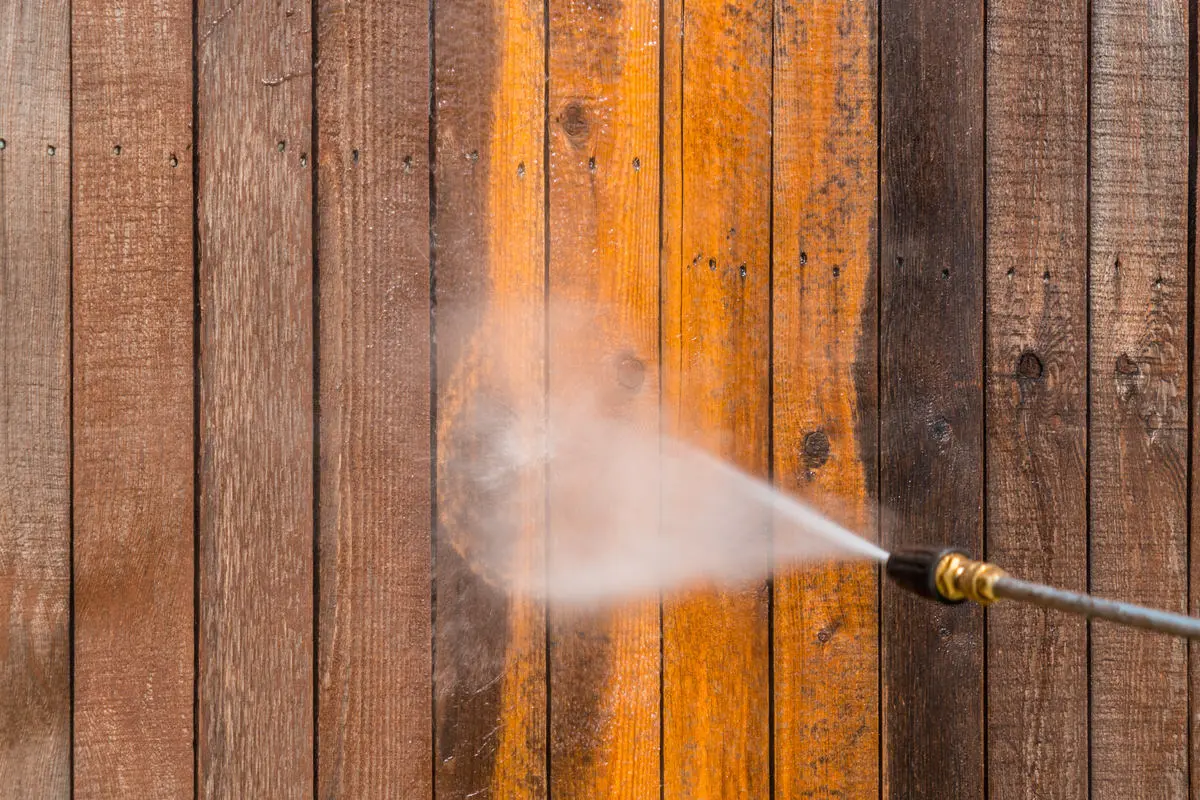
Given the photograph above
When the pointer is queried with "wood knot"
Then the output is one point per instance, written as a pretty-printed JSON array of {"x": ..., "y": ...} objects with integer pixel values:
[
  {"x": 816, "y": 449},
  {"x": 1126, "y": 365},
  {"x": 574, "y": 121},
  {"x": 939, "y": 430},
  {"x": 1029, "y": 366},
  {"x": 631, "y": 372}
]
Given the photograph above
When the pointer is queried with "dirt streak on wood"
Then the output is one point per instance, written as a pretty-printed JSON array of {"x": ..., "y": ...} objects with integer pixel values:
[
  {"x": 256, "y": 403},
  {"x": 825, "y": 403},
  {"x": 1139, "y": 418},
  {"x": 375, "y": 703},
  {"x": 133, "y": 384},
  {"x": 931, "y": 384},
  {"x": 716, "y": 351},
  {"x": 1037, "y": 391},
  {"x": 490, "y": 668},
  {"x": 35, "y": 259},
  {"x": 603, "y": 283}
]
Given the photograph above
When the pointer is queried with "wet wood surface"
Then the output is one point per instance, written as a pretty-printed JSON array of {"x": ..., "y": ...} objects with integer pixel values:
[
  {"x": 279, "y": 281},
  {"x": 931, "y": 416},
  {"x": 603, "y": 290},
  {"x": 716, "y": 341},
  {"x": 490, "y": 687},
  {"x": 825, "y": 421}
]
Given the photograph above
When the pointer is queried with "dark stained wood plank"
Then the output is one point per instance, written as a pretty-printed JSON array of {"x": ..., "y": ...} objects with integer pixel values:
[
  {"x": 489, "y": 645},
  {"x": 375, "y": 699},
  {"x": 716, "y": 351},
  {"x": 35, "y": 261},
  {"x": 826, "y": 634},
  {"x": 1139, "y": 388},
  {"x": 256, "y": 400},
  {"x": 931, "y": 399},
  {"x": 604, "y": 306},
  {"x": 1037, "y": 391},
  {"x": 133, "y": 384}
]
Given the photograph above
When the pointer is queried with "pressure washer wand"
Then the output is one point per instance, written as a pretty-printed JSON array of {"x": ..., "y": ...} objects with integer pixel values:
[{"x": 948, "y": 576}]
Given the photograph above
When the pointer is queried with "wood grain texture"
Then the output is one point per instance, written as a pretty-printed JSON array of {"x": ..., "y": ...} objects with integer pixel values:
[
  {"x": 35, "y": 262},
  {"x": 490, "y": 660},
  {"x": 1037, "y": 391},
  {"x": 716, "y": 351},
  {"x": 931, "y": 384},
  {"x": 375, "y": 704},
  {"x": 256, "y": 400},
  {"x": 133, "y": 384},
  {"x": 603, "y": 351},
  {"x": 1139, "y": 417},
  {"x": 826, "y": 635}
]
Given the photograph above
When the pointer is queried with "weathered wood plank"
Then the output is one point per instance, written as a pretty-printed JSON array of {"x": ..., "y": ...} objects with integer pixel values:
[
  {"x": 375, "y": 704},
  {"x": 1037, "y": 391},
  {"x": 826, "y": 631},
  {"x": 931, "y": 382},
  {"x": 1139, "y": 431},
  {"x": 604, "y": 306},
  {"x": 256, "y": 400},
  {"x": 35, "y": 269},
  {"x": 490, "y": 661},
  {"x": 716, "y": 351},
  {"x": 133, "y": 384}
]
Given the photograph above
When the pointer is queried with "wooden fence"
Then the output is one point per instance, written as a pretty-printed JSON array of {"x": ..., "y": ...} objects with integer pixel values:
[{"x": 917, "y": 255}]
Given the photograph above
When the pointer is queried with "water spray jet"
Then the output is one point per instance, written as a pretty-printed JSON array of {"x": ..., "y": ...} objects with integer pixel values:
[{"x": 948, "y": 576}]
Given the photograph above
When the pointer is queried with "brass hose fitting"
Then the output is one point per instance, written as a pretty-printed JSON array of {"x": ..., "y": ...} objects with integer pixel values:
[{"x": 959, "y": 578}]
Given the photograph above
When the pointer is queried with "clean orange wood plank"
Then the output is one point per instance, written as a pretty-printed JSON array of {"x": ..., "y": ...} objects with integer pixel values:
[
  {"x": 1138, "y": 266},
  {"x": 1037, "y": 391},
  {"x": 604, "y": 306},
  {"x": 133, "y": 385},
  {"x": 490, "y": 660},
  {"x": 931, "y": 447},
  {"x": 716, "y": 351},
  {"x": 35, "y": 259},
  {"x": 375, "y": 705},
  {"x": 256, "y": 400},
  {"x": 826, "y": 632}
]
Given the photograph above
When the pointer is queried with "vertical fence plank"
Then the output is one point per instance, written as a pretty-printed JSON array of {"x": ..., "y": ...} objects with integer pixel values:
[
  {"x": 1037, "y": 391},
  {"x": 1138, "y": 437},
  {"x": 489, "y": 648},
  {"x": 35, "y": 238},
  {"x": 931, "y": 398},
  {"x": 604, "y": 305},
  {"x": 133, "y": 385},
  {"x": 716, "y": 352},
  {"x": 256, "y": 400},
  {"x": 375, "y": 488},
  {"x": 824, "y": 383}
]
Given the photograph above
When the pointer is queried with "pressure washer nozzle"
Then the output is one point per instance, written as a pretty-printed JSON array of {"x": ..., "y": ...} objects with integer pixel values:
[{"x": 948, "y": 576}]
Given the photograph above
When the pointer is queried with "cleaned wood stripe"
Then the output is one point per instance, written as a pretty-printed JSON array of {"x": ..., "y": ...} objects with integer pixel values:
[
  {"x": 826, "y": 634},
  {"x": 603, "y": 289}
]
